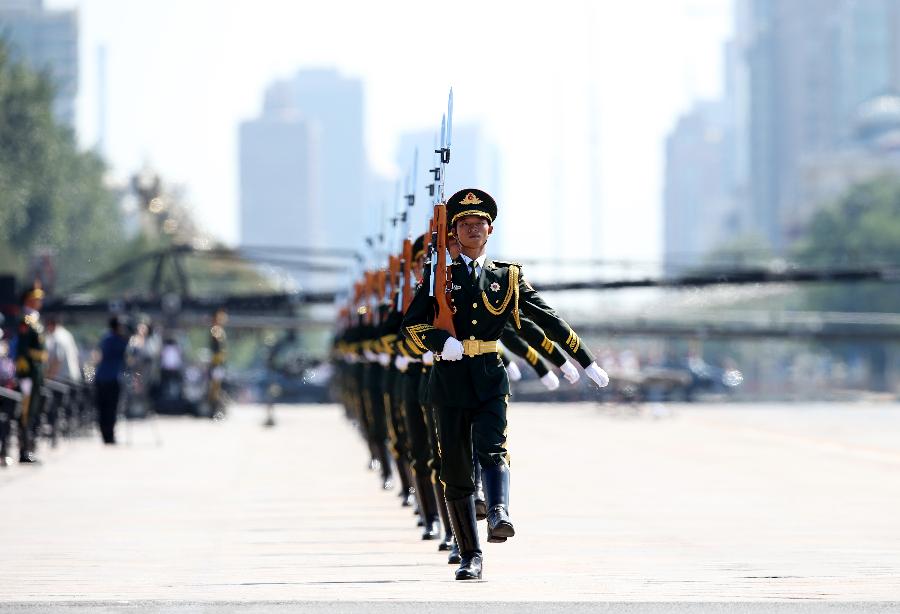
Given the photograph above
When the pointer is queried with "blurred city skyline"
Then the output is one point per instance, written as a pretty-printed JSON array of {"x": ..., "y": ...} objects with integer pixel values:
[{"x": 181, "y": 77}]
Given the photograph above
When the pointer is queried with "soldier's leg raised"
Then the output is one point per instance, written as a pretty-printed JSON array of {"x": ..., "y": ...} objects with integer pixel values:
[
  {"x": 489, "y": 441},
  {"x": 455, "y": 432}
]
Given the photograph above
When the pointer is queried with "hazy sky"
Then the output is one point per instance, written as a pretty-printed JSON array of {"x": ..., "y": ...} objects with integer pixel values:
[{"x": 182, "y": 74}]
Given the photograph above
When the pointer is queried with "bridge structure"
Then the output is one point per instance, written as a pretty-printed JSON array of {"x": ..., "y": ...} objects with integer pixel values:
[{"x": 160, "y": 282}]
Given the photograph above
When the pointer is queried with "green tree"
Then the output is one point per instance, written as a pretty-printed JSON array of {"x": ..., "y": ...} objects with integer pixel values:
[
  {"x": 861, "y": 229},
  {"x": 52, "y": 195}
]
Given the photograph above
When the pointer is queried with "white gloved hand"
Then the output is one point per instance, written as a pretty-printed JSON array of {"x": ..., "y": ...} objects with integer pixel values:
[
  {"x": 453, "y": 349},
  {"x": 384, "y": 359},
  {"x": 25, "y": 386},
  {"x": 401, "y": 362},
  {"x": 370, "y": 355},
  {"x": 570, "y": 372},
  {"x": 512, "y": 369},
  {"x": 428, "y": 358},
  {"x": 218, "y": 374},
  {"x": 550, "y": 381},
  {"x": 597, "y": 374}
]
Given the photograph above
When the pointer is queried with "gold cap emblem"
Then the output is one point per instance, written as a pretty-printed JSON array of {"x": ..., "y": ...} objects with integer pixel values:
[{"x": 470, "y": 199}]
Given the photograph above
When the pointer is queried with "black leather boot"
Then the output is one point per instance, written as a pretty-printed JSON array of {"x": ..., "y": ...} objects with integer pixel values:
[
  {"x": 387, "y": 481},
  {"x": 26, "y": 446},
  {"x": 453, "y": 557},
  {"x": 447, "y": 542},
  {"x": 480, "y": 503},
  {"x": 465, "y": 528},
  {"x": 427, "y": 508},
  {"x": 407, "y": 496},
  {"x": 496, "y": 484}
]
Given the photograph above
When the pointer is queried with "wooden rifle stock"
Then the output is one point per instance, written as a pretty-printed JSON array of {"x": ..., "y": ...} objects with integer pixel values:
[
  {"x": 443, "y": 281},
  {"x": 405, "y": 271},
  {"x": 393, "y": 281},
  {"x": 368, "y": 296}
]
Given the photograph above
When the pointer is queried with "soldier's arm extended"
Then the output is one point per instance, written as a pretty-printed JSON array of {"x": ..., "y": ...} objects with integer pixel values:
[
  {"x": 537, "y": 338},
  {"x": 558, "y": 330},
  {"x": 417, "y": 324},
  {"x": 517, "y": 345}
]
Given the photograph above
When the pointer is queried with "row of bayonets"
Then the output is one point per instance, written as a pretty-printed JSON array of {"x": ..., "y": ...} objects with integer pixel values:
[{"x": 381, "y": 281}]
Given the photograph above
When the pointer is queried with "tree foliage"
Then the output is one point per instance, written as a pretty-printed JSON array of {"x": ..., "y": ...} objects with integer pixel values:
[
  {"x": 52, "y": 196},
  {"x": 861, "y": 229}
]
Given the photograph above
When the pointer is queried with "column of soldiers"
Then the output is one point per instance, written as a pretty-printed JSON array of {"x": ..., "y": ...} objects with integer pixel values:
[{"x": 431, "y": 401}]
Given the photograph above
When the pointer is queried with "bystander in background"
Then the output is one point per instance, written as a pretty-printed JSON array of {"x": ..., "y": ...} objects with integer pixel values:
[{"x": 107, "y": 378}]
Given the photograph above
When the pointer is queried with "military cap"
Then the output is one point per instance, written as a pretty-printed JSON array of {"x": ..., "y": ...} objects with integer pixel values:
[
  {"x": 36, "y": 291},
  {"x": 471, "y": 201},
  {"x": 418, "y": 247}
]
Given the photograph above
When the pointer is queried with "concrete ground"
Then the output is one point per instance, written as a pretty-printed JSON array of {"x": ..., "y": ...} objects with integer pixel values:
[{"x": 778, "y": 508}]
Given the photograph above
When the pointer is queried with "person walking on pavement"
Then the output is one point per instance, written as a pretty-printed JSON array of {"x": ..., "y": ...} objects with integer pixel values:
[
  {"x": 107, "y": 379},
  {"x": 469, "y": 386}
]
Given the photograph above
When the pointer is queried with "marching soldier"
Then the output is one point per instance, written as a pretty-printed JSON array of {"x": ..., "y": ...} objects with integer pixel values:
[
  {"x": 218, "y": 352},
  {"x": 469, "y": 388},
  {"x": 420, "y": 449},
  {"x": 31, "y": 356}
]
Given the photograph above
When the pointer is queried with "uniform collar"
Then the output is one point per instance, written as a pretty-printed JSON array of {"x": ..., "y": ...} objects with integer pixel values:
[{"x": 478, "y": 261}]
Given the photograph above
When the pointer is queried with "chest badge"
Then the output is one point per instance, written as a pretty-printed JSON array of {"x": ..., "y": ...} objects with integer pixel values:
[{"x": 495, "y": 287}]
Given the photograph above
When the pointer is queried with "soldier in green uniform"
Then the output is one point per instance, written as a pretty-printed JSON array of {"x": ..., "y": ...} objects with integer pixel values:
[
  {"x": 469, "y": 387},
  {"x": 31, "y": 356},
  {"x": 218, "y": 353}
]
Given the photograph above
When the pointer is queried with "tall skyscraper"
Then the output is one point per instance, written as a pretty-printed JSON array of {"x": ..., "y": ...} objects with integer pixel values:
[
  {"x": 303, "y": 163},
  {"x": 278, "y": 180},
  {"x": 699, "y": 197},
  {"x": 810, "y": 64},
  {"x": 333, "y": 105},
  {"x": 46, "y": 41}
]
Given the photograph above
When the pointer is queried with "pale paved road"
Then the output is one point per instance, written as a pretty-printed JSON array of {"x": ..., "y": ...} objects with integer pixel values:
[{"x": 709, "y": 504}]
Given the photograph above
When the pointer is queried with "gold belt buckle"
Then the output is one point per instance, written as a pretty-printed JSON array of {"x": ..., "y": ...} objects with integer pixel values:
[{"x": 470, "y": 347}]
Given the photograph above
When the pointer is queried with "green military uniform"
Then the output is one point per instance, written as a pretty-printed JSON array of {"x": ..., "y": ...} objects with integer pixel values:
[
  {"x": 31, "y": 356},
  {"x": 218, "y": 349},
  {"x": 470, "y": 395},
  {"x": 391, "y": 386}
]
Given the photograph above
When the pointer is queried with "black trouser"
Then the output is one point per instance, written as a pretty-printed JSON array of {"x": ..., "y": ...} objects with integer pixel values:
[
  {"x": 417, "y": 427},
  {"x": 30, "y": 419},
  {"x": 393, "y": 407},
  {"x": 434, "y": 462},
  {"x": 376, "y": 415},
  {"x": 107, "y": 409},
  {"x": 460, "y": 430}
]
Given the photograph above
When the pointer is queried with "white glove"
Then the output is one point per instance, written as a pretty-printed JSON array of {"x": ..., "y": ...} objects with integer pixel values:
[
  {"x": 401, "y": 362},
  {"x": 597, "y": 374},
  {"x": 25, "y": 386},
  {"x": 550, "y": 381},
  {"x": 512, "y": 369},
  {"x": 453, "y": 349},
  {"x": 570, "y": 372},
  {"x": 384, "y": 359},
  {"x": 370, "y": 355},
  {"x": 428, "y": 358},
  {"x": 218, "y": 374}
]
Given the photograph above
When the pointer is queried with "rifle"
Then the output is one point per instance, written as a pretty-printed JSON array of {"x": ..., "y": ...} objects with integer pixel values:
[
  {"x": 440, "y": 271},
  {"x": 393, "y": 277},
  {"x": 369, "y": 295},
  {"x": 404, "y": 297}
]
